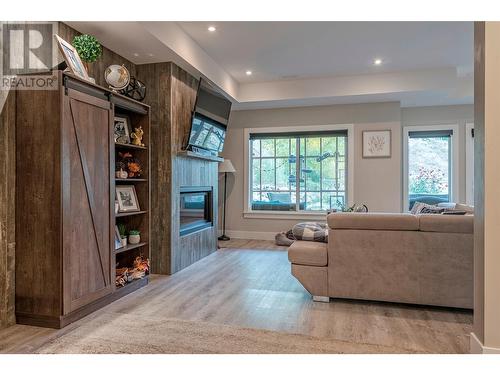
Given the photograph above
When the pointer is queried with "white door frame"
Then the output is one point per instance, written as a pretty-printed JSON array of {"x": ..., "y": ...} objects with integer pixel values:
[
  {"x": 469, "y": 163},
  {"x": 455, "y": 142}
]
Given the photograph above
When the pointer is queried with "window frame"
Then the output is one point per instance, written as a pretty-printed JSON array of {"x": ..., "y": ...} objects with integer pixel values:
[
  {"x": 294, "y": 215},
  {"x": 454, "y": 159}
]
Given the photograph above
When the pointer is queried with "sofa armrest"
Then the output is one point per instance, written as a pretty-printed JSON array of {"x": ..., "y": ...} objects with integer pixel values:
[{"x": 372, "y": 221}]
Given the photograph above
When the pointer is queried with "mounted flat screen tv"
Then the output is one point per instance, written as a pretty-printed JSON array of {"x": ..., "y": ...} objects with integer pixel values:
[
  {"x": 207, "y": 133},
  {"x": 209, "y": 119}
]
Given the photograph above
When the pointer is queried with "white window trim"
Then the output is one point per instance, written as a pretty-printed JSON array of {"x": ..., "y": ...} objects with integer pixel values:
[
  {"x": 291, "y": 215},
  {"x": 469, "y": 163},
  {"x": 455, "y": 168}
]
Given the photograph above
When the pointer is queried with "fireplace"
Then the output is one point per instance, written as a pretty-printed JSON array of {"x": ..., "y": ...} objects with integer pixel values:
[{"x": 195, "y": 209}]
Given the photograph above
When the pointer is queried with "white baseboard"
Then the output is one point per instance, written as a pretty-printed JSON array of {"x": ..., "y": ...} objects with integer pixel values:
[
  {"x": 477, "y": 347},
  {"x": 249, "y": 235}
]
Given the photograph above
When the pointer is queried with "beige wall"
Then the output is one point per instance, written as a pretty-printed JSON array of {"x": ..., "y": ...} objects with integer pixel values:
[
  {"x": 487, "y": 189},
  {"x": 377, "y": 182}
]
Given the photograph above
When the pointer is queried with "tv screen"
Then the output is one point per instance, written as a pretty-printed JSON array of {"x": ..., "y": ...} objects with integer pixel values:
[
  {"x": 209, "y": 119},
  {"x": 207, "y": 133}
]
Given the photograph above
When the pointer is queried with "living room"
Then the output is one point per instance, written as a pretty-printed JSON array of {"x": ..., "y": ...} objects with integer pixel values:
[{"x": 249, "y": 187}]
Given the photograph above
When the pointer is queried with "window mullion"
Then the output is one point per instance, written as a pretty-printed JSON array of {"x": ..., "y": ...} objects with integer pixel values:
[
  {"x": 297, "y": 174},
  {"x": 320, "y": 174}
]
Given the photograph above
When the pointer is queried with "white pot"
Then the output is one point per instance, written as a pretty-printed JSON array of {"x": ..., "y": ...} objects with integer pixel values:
[
  {"x": 134, "y": 239},
  {"x": 124, "y": 241}
]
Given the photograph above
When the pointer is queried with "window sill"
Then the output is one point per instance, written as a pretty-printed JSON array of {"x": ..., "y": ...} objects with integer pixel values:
[{"x": 285, "y": 215}]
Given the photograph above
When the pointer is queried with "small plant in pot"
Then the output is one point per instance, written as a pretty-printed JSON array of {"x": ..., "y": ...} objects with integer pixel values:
[
  {"x": 88, "y": 47},
  {"x": 123, "y": 234},
  {"x": 134, "y": 237}
]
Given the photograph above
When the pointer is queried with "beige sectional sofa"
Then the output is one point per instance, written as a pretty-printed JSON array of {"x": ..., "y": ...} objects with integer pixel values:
[{"x": 418, "y": 259}]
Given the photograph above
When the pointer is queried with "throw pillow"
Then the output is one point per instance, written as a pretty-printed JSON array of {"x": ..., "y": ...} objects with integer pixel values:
[
  {"x": 317, "y": 232},
  {"x": 424, "y": 208}
]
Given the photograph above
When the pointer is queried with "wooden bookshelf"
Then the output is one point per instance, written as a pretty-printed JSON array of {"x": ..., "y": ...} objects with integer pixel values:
[
  {"x": 129, "y": 146},
  {"x": 137, "y": 220},
  {"x": 76, "y": 155},
  {"x": 132, "y": 180},
  {"x": 130, "y": 247},
  {"x": 125, "y": 214}
]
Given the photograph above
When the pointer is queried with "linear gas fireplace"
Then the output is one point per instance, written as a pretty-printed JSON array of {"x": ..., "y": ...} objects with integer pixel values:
[{"x": 196, "y": 211}]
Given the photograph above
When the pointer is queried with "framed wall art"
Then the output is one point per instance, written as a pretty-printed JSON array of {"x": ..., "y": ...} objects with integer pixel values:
[{"x": 376, "y": 144}]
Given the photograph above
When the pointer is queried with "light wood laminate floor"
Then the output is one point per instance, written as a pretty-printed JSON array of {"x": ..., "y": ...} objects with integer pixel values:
[{"x": 248, "y": 283}]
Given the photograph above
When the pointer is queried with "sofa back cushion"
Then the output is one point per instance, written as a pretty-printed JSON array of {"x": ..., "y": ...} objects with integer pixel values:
[
  {"x": 447, "y": 223},
  {"x": 372, "y": 221}
]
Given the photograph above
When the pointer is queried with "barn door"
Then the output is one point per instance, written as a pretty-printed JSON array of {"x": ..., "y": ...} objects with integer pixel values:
[{"x": 86, "y": 160}]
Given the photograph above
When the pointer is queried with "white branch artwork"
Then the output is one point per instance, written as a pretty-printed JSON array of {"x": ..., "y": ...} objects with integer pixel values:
[{"x": 377, "y": 144}]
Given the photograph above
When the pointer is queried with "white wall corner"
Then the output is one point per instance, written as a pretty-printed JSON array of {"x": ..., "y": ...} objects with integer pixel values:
[{"x": 477, "y": 347}]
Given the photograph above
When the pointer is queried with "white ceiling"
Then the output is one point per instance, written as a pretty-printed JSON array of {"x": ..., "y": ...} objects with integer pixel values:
[
  {"x": 308, "y": 63},
  {"x": 278, "y": 50}
]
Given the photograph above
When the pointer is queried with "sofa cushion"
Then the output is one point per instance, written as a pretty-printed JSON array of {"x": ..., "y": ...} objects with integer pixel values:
[
  {"x": 446, "y": 223},
  {"x": 372, "y": 220},
  {"x": 308, "y": 253}
]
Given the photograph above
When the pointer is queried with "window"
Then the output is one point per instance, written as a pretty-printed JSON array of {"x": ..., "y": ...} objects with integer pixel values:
[
  {"x": 430, "y": 173},
  {"x": 297, "y": 171},
  {"x": 469, "y": 163}
]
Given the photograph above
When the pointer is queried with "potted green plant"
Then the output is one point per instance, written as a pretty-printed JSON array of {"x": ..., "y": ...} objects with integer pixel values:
[
  {"x": 134, "y": 237},
  {"x": 88, "y": 47},
  {"x": 123, "y": 234}
]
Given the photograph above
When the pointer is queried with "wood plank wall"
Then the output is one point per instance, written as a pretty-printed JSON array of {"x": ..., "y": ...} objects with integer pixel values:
[
  {"x": 157, "y": 79},
  {"x": 7, "y": 206},
  {"x": 172, "y": 95}
]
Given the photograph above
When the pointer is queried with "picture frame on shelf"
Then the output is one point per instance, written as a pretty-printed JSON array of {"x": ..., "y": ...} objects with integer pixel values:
[
  {"x": 127, "y": 198},
  {"x": 376, "y": 144},
  {"x": 118, "y": 239},
  {"x": 75, "y": 64},
  {"x": 122, "y": 130}
]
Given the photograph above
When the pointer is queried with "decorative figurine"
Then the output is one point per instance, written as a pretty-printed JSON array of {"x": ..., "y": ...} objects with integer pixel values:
[{"x": 136, "y": 136}]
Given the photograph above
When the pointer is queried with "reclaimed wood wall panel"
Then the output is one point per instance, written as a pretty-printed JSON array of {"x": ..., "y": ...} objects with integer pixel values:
[
  {"x": 7, "y": 206},
  {"x": 157, "y": 80},
  {"x": 172, "y": 95}
]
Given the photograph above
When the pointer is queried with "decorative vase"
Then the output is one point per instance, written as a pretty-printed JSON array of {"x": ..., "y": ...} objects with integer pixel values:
[
  {"x": 124, "y": 241},
  {"x": 121, "y": 174},
  {"x": 134, "y": 239}
]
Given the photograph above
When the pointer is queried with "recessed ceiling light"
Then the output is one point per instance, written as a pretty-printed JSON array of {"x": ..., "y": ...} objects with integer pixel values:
[
  {"x": 136, "y": 54},
  {"x": 211, "y": 28},
  {"x": 248, "y": 72},
  {"x": 377, "y": 62}
]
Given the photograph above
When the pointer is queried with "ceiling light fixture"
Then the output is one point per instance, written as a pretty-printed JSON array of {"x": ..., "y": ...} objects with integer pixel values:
[
  {"x": 136, "y": 54},
  {"x": 211, "y": 28},
  {"x": 377, "y": 62},
  {"x": 248, "y": 72}
]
